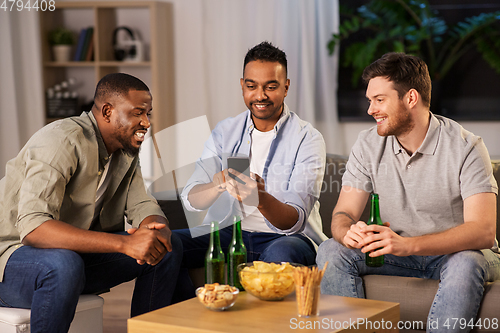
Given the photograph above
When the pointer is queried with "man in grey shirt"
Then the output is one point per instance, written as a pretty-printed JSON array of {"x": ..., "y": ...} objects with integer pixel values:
[
  {"x": 437, "y": 198},
  {"x": 62, "y": 207}
]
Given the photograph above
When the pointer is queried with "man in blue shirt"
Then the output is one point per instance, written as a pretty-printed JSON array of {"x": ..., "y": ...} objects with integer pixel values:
[{"x": 279, "y": 201}]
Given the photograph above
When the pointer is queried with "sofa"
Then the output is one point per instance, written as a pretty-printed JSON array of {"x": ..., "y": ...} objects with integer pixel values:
[{"x": 415, "y": 295}]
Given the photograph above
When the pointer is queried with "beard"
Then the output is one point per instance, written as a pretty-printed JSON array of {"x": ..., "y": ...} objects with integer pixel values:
[
  {"x": 400, "y": 123},
  {"x": 125, "y": 140},
  {"x": 131, "y": 150}
]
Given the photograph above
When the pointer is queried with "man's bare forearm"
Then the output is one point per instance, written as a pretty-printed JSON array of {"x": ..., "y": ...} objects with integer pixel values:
[
  {"x": 341, "y": 222},
  {"x": 155, "y": 218},
  {"x": 202, "y": 196},
  {"x": 466, "y": 236},
  {"x": 280, "y": 214},
  {"x": 60, "y": 235}
]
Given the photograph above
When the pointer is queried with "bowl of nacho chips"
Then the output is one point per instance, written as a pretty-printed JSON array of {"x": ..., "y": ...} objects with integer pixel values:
[
  {"x": 268, "y": 281},
  {"x": 217, "y": 297}
]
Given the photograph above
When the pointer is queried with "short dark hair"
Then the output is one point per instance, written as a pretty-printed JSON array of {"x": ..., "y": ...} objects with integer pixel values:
[
  {"x": 404, "y": 71},
  {"x": 118, "y": 84},
  {"x": 266, "y": 51}
]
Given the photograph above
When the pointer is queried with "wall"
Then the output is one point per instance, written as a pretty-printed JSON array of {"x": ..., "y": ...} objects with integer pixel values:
[{"x": 489, "y": 131}]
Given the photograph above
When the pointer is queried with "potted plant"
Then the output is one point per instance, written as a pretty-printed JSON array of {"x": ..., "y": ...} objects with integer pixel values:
[
  {"x": 411, "y": 26},
  {"x": 62, "y": 41}
]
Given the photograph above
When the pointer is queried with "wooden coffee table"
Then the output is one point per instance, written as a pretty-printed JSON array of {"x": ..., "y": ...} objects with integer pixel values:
[{"x": 249, "y": 314}]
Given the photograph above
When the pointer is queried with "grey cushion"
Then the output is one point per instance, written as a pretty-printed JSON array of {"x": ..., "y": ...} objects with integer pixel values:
[
  {"x": 413, "y": 294},
  {"x": 415, "y": 297}
]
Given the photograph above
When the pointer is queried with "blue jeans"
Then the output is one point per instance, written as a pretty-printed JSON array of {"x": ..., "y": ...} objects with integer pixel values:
[
  {"x": 262, "y": 246},
  {"x": 462, "y": 276},
  {"x": 49, "y": 281}
]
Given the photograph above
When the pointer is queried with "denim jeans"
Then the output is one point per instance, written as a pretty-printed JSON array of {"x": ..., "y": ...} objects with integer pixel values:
[
  {"x": 262, "y": 246},
  {"x": 462, "y": 276},
  {"x": 49, "y": 281}
]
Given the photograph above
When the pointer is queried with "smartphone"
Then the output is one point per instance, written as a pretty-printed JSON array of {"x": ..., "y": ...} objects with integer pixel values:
[{"x": 240, "y": 164}]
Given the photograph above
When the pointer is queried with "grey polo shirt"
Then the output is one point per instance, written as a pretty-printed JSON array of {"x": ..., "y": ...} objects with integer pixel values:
[{"x": 422, "y": 193}]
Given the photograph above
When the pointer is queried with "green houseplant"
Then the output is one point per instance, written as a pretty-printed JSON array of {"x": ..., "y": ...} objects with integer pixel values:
[
  {"x": 62, "y": 41},
  {"x": 411, "y": 26},
  {"x": 61, "y": 36}
]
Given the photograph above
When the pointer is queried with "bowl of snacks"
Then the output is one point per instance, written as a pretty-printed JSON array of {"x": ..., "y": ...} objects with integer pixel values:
[
  {"x": 268, "y": 281},
  {"x": 217, "y": 297}
]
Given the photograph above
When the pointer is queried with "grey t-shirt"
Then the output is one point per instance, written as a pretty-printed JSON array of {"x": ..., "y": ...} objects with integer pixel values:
[{"x": 422, "y": 193}]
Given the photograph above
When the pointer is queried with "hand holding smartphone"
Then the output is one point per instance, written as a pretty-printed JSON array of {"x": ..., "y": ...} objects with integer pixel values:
[{"x": 240, "y": 164}]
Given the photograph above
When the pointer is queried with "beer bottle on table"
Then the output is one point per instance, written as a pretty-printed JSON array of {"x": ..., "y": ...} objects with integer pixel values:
[
  {"x": 214, "y": 259},
  {"x": 237, "y": 254},
  {"x": 374, "y": 219}
]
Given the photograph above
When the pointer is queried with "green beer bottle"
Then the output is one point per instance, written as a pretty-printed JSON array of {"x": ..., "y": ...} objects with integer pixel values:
[
  {"x": 214, "y": 259},
  {"x": 374, "y": 219},
  {"x": 237, "y": 254}
]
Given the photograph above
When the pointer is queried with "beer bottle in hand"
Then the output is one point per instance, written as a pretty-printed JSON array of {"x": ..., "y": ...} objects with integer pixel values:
[
  {"x": 374, "y": 219},
  {"x": 237, "y": 254},
  {"x": 214, "y": 259}
]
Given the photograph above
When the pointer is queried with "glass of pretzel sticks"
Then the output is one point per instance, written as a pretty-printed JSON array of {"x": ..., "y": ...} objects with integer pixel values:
[{"x": 307, "y": 289}]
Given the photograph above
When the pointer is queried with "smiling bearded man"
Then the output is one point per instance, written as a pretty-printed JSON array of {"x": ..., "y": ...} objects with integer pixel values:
[
  {"x": 63, "y": 204},
  {"x": 437, "y": 198},
  {"x": 388, "y": 109}
]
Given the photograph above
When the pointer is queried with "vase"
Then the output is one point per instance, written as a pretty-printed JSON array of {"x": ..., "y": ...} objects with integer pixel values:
[{"x": 61, "y": 52}]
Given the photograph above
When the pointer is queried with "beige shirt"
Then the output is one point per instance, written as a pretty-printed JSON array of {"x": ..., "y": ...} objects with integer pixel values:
[{"x": 55, "y": 176}]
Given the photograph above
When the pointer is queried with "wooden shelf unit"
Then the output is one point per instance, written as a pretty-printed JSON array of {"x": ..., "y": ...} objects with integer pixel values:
[{"x": 152, "y": 20}]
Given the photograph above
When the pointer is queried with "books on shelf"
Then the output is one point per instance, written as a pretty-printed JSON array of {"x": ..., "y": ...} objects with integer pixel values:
[
  {"x": 90, "y": 51},
  {"x": 88, "y": 36},
  {"x": 85, "y": 46},
  {"x": 79, "y": 45}
]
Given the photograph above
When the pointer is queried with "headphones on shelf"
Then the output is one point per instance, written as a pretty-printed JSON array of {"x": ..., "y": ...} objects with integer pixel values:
[{"x": 130, "y": 49}]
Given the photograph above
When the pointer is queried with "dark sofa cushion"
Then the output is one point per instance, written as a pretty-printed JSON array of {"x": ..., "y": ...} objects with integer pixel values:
[
  {"x": 174, "y": 212},
  {"x": 330, "y": 190}
]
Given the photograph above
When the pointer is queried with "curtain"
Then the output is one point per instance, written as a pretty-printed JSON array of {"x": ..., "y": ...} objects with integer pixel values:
[
  {"x": 213, "y": 36},
  {"x": 21, "y": 96}
]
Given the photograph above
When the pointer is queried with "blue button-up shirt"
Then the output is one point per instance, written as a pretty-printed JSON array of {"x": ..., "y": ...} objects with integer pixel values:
[{"x": 293, "y": 171}]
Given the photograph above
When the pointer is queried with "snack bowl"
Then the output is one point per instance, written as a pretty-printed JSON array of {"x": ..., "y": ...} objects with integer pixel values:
[
  {"x": 268, "y": 281},
  {"x": 217, "y": 297}
]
